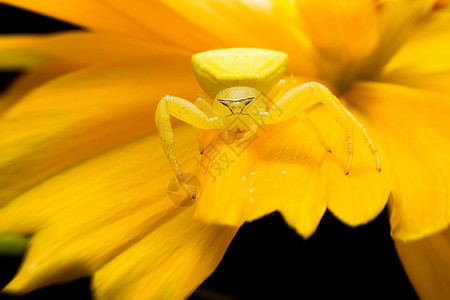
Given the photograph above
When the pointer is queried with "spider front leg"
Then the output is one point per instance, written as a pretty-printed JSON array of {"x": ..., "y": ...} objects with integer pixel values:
[
  {"x": 189, "y": 113},
  {"x": 250, "y": 132},
  {"x": 205, "y": 105},
  {"x": 295, "y": 101}
]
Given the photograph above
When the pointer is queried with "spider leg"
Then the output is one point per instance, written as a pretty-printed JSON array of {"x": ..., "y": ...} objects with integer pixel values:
[
  {"x": 248, "y": 134},
  {"x": 362, "y": 130},
  {"x": 189, "y": 113},
  {"x": 296, "y": 100},
  {"x": 226, "y": 135},
  {"x": 277, "y": 91},
  {"x": 205, "y": 105},
  {"x": 311, "y": 126}
]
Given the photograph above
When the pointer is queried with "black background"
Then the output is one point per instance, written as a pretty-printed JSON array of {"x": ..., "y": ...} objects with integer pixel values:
[{"x": 267, "y": 259}]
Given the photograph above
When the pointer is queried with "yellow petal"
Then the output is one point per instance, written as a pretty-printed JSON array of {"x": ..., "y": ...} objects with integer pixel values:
[
  {"x": 102, "y": 174},
  {"x": 76, "y": 47},
  {"x": 10, "y": 60},
  {"x": 424, "y": 61},
  {"x": 359, "y": 197},
  {"x": 88, "y": 214},
  {"x": 166, "y": 22},
  {"x": 285, "y": 168},
  {"x": 95, "y": 15},
  {"x": 412, "y": 126},
  {"x": 435, "y": 81},
  {"x": 427, "y": 49},
  {"x": 398, "y": 20},
  {"x": 441, "y": 4},
  {"x": 275, "y": 172},
  {"x": 169, "y": 263},
  {"x": 342, "y": 30},
  {"x": 32, "y": 79},
  {"x": 85, "y": 113},
  {"x": 263, "y": 24},
  {"x": 427, "y": 263}
]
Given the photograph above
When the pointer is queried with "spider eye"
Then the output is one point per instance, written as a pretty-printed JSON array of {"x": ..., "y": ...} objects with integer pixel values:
[
  {"x": 246, "y": 101},
  {"x": 236, "y": 106},
  {"x": 243, "y": 101}
]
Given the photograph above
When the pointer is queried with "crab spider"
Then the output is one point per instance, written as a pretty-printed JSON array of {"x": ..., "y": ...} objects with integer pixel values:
[{"x": 237, "y": 80}]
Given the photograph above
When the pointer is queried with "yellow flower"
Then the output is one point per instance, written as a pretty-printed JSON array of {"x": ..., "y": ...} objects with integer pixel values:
[{"x": 83, "y": 171}]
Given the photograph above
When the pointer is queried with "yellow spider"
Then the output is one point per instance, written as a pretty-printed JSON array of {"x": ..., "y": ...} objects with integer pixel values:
[{"x": 238, "y": 80}]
